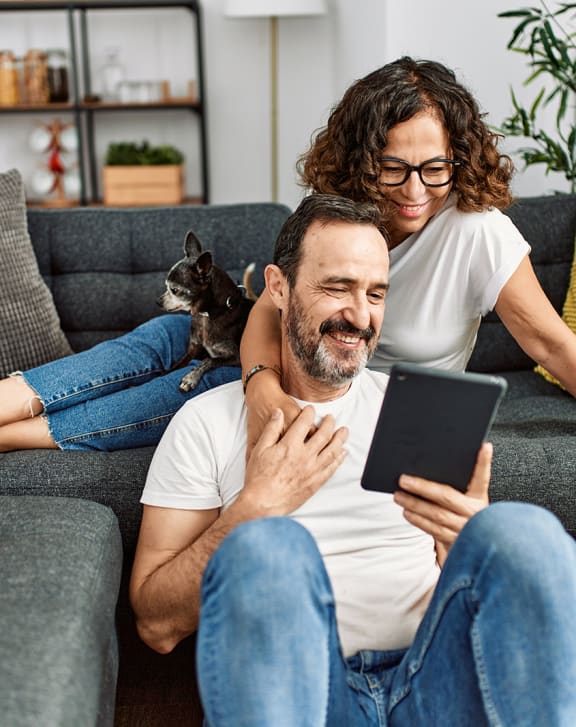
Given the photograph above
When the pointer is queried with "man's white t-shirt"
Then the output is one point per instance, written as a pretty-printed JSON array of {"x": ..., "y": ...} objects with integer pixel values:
[
  {"x": 443, "y": 279},
  {"x": 382, "y": 569}
]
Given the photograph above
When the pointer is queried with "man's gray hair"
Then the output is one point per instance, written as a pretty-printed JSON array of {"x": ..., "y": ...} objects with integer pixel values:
[{"x": 323, "y": 208}]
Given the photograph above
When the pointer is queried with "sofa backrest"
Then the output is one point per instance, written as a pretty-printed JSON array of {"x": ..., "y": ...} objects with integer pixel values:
[
  {"x": 549, "y": 225},
  {"x": 106, "y": 267}
]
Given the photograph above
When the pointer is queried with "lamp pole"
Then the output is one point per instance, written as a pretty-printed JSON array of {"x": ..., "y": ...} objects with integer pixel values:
[
  {"x": 273, "y": 10},
  {"x": 274, "y": 105}
]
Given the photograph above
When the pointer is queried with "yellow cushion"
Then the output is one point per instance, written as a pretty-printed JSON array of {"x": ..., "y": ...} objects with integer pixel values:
[{"x": 568, "y": 316}]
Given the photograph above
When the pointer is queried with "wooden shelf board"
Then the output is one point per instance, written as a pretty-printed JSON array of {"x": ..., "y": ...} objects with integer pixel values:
[
  {"x": 38, "y": 108},
  {"x": 75, "y": 203},
  {"x": 180, "y": 103}
]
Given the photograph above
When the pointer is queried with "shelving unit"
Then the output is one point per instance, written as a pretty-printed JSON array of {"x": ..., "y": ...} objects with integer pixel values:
[{"x": 84, "y": 112}]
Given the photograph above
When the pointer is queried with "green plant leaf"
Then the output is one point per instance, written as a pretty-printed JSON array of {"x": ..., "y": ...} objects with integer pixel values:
[
  {"x": 519, "y": 31},
  {"x": 536, "y": 104},
  {"x": 551, "y": 57},
  {"x": 132, "y": 154},
  {"x": 515, "y": 13},
  {"x": 562, "y": 106}
]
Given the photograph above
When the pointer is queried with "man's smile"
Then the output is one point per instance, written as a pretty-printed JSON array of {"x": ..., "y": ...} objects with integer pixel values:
[{"x": 346, "y": 337}]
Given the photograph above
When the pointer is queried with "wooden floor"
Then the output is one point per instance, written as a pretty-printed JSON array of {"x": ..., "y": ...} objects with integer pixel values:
[
  {"x": 172, "y": 715},
  {"x": 156, "y": 690}
]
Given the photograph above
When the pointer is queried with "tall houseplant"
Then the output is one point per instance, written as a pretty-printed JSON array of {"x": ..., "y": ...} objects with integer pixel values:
[{"x": 550, "y": 49}]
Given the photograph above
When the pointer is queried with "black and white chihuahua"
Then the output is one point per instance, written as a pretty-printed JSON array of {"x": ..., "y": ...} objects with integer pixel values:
[{"x": 219, "y": 310}]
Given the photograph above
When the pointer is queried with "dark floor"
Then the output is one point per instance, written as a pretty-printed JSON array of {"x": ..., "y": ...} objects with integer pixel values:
[{"x": 155, "y": 690}]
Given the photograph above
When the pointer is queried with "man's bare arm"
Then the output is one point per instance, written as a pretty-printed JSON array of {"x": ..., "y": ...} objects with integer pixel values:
[{"x": 175, "y": 546}]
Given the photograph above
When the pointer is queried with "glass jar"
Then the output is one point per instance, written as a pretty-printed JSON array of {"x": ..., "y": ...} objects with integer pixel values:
[
  {"x": 57, "y": 71},
  {"x": 35, "y": 77},
  {"x": 9, "y": 86},
  {"x": 112, "y": 75}
]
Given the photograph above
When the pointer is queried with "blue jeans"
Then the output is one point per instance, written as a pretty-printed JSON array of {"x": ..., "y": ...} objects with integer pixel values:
[
  {"x": 497, "y": 645},
  {"x": 120, "y": 393}
]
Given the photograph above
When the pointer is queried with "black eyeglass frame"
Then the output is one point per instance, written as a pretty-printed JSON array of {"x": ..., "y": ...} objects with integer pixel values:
[{"x": 418, "y": 168}]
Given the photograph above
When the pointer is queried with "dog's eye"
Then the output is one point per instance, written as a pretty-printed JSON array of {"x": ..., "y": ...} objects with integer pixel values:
[{"x": 174, "y": 290}]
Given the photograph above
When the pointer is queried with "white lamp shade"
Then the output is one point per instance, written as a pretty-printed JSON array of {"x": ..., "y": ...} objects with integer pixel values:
[{"x": 274, "y": 8}]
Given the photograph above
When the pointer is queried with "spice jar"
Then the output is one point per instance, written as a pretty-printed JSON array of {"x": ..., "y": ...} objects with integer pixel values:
[
  {"x": 57, "y": 70},
  {"x": 35, "y": 77},
  {"x": 9, "y": 86}
]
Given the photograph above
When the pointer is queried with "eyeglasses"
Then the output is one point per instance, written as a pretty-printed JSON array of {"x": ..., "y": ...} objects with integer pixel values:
[{"x": 432, "y": 172}]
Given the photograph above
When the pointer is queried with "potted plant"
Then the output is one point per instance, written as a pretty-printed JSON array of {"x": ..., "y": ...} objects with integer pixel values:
[
  {"x": 140, "y": 174},
  {"x": 551, "y": 54}
]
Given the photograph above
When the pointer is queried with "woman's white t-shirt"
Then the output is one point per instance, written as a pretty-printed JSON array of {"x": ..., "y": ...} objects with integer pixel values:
[{"x": 443, "y": 279}]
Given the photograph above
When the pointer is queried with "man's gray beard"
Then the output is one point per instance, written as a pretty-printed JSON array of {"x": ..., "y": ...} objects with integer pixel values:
[
  {"x": 313, "y": 354},
  {"x": 326, "y": 369}
]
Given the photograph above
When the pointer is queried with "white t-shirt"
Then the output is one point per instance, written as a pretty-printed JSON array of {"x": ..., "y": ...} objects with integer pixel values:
[
  {"x": 382, "y": 569},
  {"x": 443, "y": 279}
]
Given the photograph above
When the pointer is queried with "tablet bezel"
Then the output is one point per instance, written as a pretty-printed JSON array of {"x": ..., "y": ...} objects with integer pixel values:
[{"x": 431, "y": 424}]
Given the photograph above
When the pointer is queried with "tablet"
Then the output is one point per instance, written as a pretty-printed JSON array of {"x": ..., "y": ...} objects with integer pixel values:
[{"x": 431, "y": 424}]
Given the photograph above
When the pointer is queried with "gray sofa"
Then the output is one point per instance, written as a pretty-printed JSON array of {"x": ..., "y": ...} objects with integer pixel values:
[
  {"x": 534, "y": 435},
  {"x": 60, "y": 567},
  {"x": 106, "y": 267}
]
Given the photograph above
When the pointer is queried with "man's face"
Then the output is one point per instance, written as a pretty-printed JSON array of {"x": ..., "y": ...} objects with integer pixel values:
[{"x": 335, "y": 310}]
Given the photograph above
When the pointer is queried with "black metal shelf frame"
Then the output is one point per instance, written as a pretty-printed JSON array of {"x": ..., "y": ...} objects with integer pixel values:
[{"x": 84, "y": 112}]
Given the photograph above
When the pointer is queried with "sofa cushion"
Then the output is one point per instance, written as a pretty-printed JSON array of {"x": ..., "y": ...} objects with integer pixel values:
[
  {"x": 31, "y": 332},
  {"x": 60, "y": 563},
  {"x": 549, "y": 225},
  {"x": 107, "y": 267},
  {"x": 535, "y": 446},
  {"x": 114, "y": 479}
]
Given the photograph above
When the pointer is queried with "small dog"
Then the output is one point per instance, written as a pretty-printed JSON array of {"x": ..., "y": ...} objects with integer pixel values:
[{"x": 218, "y": 307}]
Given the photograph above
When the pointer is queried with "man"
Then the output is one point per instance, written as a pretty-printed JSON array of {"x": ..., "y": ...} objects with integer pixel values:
[{"x": 319, "y": 603}]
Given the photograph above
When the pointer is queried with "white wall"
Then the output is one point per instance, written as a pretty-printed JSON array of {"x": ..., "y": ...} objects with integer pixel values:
[
  {"x": 319, "y": 58},
  {"x": 238, "y": 81}
]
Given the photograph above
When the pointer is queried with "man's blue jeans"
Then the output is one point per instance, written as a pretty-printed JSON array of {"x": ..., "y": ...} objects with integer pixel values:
[
  {"x": 497, "y": 645},
  {"x": 120, "y": 393}
]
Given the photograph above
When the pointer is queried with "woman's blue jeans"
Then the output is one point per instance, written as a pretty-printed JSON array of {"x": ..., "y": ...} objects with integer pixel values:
[
  {"x": 496, "y": 647},
  {"x": 120, "y": 393}
]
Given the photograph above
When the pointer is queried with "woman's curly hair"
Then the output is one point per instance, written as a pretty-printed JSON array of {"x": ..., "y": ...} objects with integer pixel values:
[{"x": 344, "y": 157}]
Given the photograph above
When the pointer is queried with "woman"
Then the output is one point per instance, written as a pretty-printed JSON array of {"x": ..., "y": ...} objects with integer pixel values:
[{"x": 409, "y": 137}]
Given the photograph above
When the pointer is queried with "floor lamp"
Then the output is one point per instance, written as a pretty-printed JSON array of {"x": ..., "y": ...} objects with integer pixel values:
[{"x": 274, "y": 9}]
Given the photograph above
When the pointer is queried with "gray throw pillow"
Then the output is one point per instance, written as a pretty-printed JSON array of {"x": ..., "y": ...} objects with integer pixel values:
[{"x": 30, "y": 332}]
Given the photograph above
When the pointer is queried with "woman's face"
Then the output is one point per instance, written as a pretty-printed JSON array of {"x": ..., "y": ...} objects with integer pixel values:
[{"x": 421, "y": 138}]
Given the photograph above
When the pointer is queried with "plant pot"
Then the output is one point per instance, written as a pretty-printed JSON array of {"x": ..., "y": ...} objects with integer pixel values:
[{"x": 143, "y": 186}]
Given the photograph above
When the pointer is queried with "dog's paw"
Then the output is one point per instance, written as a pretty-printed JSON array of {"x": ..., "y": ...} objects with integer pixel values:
[{"x": 190, "y": 381}]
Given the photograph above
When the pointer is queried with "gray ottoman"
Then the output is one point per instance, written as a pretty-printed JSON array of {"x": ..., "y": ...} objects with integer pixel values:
[{"x": 60, "y": 563}]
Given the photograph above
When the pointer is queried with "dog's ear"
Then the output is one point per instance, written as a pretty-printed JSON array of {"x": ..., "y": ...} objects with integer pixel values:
[
  {"x": 204, "y": 264},
  {"x": 192, "y": 245}
]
